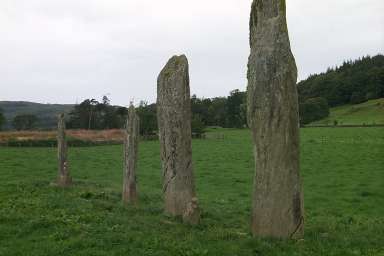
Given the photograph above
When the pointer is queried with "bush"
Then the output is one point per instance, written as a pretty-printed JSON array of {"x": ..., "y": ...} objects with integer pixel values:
[
  {"x": 198, "y": 127},
  {"x": 313, "y": 110}
]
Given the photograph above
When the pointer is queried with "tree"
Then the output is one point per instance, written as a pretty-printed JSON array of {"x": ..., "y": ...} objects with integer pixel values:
[
  {"x": 94, "y": 115},
  {"x": 81, "y": 116},
  {"x": 235, "y": 117},
  {"x": 313, "y": 110},
  {"x": 91, "y": 109},
  {"x": 148, "y": 118},
  {"x": 197, "y": 125},
  {"x": 121, "y": 113},
  {"x": 2, "y": 119},
  {"x": 358, "y": 97},
  {"x": 218, "y": 112},
  {"x": 24, "y": 122},
  {"x": 106, "y": 100}
]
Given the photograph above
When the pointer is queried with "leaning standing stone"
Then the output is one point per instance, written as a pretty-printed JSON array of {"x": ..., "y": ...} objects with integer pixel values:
[
  {"x": 273, "y": 117},
  {"x": 131, "y": 145},
  {"x": 174, "y": 120},
  {"x": 64, "y": 179}
]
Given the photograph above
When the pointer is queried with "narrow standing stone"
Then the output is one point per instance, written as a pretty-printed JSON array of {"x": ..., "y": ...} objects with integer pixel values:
[
  {"x": 174, "y": 120},
  {"x": 131, "y": 145},
  {"x": 277, "y": 209},
  {"x": 64, "y": 179}
]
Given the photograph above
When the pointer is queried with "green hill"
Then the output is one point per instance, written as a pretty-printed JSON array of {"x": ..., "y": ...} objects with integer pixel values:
[
  {"x": 46, "y": 113},
  {"x": 370, "y": 112}
]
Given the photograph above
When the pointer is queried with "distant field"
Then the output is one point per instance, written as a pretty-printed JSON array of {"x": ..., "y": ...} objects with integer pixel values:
[
  {"x": 343, "y": 178},
  {"x": 86, "y": 135},
  {"x": 368, "y": 113}
]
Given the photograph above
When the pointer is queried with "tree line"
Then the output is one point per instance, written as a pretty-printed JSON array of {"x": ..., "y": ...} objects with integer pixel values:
[
  {"x": 91, "y": 114},
  {"x": 227, "y": 112},
  {"x": 20, "y": 122},
  {"x": 353, "y": 82}
]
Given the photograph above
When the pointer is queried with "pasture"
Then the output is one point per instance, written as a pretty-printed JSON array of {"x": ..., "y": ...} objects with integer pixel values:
[
  {"x": 367, "y": 113},
  {"x": 343, "y": 176}
]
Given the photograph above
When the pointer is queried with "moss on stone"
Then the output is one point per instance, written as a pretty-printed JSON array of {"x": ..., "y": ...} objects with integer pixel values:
[{"x": 282, "y": 7}]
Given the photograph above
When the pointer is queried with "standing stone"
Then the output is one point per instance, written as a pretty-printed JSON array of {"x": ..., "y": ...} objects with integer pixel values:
[
  {"x": 277, "y": 209},
  {"x": 174, "y": 120},
  {"x": 64, "y": 179},
  {"x": 131, "y": 145}
]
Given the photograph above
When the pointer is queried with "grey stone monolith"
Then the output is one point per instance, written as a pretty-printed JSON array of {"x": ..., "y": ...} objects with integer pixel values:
[
  {"x": 131, "y": 145},
  {"x": 174, "y": 120},
  {"x": 64, "y": 179},
  {"x": 277, "y": 209}
]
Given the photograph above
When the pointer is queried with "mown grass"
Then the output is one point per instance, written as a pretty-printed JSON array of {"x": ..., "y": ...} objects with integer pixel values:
[
  {"x": 367, "y": 113},
  {"x": 343, "y": 173}
]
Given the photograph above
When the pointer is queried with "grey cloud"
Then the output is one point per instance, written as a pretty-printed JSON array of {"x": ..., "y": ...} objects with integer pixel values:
[{"x": 60, "y": 51}]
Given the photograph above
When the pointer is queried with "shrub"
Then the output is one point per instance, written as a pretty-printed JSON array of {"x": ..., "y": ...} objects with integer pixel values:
[
  {"x": 313, "y": 110},
  {"x": 198, "y": 126}
]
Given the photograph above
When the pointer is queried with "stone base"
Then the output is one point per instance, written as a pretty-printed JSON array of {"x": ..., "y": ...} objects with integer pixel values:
[
  {"x": 130, "y": 195},
  {"x": 192, "y": 214},
  {"x": 63, "y": 181}
]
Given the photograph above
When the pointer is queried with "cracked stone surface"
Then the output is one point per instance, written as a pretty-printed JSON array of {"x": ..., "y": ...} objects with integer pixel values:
[
  {"x": 277, "y": 209},
  {"x": 174, "y": 120}
]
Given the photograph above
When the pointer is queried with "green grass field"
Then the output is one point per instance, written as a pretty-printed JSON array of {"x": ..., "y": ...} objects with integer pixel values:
[
  {"x": 368, "y": 113},
  {"x": 342, "y": 169}
]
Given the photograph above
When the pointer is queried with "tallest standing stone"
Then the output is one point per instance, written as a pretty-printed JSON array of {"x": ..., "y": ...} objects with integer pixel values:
[{"x": 277, "y": 209}]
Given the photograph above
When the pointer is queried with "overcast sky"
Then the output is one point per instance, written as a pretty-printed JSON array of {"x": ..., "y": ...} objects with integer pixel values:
[{"x": 63, "y": 51}]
